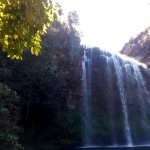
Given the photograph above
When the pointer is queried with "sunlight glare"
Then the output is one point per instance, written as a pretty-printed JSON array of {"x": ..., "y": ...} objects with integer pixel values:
[
  {"x": 129, "y": 59},
  {"x": 109, "y": 24}
]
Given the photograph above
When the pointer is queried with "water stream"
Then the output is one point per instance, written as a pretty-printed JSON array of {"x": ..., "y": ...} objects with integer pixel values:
[
  {"x": 119, "y": 73},
  {"x": 115, "y": 101},
  {"x": 86, "y": 99}
]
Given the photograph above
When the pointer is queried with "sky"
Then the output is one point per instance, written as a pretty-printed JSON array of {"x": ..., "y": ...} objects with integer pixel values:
[{"x": 109, "y": 24}]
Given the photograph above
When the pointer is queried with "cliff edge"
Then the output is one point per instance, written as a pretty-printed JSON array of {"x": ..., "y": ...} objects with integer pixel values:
[{"x": 139, "y": 47}]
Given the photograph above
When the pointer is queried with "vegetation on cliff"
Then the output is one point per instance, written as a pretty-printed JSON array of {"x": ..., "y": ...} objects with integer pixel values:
[
  {"x": 38, "y": 98},
  {"x": 139, "y": 47}
]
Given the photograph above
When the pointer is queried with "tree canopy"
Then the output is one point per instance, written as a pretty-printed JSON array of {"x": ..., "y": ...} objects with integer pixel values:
[
  {"x": 47, "y": 106},
  {"x": 22, "y": 22}
]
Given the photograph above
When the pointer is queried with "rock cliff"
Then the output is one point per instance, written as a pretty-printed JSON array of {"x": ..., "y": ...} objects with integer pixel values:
[{"x": 139, "y": 47}]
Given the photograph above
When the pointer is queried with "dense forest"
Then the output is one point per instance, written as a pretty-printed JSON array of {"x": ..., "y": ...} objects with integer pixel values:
[{"x": 38, "y": 100}]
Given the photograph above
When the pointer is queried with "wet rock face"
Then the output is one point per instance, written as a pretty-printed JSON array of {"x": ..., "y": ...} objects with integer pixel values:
[{"x": 139, "y": 47}]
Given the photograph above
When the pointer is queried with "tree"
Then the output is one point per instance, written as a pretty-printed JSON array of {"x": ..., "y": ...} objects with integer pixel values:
[
  {"x": 74, "y": 34},
  {"x": 48, "y": 87},
  {"x": 23, "y": 22},
  {"x": 9, "y": 115}
]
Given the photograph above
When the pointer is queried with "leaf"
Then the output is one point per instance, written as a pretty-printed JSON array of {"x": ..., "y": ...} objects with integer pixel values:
[
  {"x": 38, "y": 38},
  {"x": 1, "y": 14},
  {"x": 25, "y": 44},
  {"x": 6, "y": 42},
  {"x": 36, "y": 52},
  {"x": 24, "y": 26},
  {"x": 44, "y": 29},
  {"x": 32, "y": 50},
  {"x": 6, "y": 36},
  {"x": 15, "y": 36}
]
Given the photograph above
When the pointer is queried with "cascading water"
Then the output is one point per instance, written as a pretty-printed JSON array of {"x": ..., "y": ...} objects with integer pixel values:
[
  {"x": 141, "y": 86},
  {"x": 86, "y": 71},
  {"x": 119, "y": 73},
  {"x": 115, "y": 101},
  {"x": 142, "y": 96},
  {"x": 109, "y": 61}
]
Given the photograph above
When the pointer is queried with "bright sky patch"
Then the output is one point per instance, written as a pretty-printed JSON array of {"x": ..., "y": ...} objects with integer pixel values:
[{"x": 110, "y": 23}]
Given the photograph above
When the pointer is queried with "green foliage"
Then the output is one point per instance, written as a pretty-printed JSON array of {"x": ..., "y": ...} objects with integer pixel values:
[
  {"x": 10, "y": 141},
  {"x": 74, "y": 34},
  {"x": 44, "y": 86},
  {"x": 8, "y": 101},
  {"x": 70, "y": 122},
  {"x": 38, "y": 87},
  {"x": 23, "y": 22},
  {"x": 8, "y": 118}
]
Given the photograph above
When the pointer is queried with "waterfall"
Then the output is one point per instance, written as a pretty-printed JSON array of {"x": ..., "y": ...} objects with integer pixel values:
[
  {"x": 86, "y": 73},
  {"x": 119, "y": 73},
  {"x": 109, "y": 60},
  {"x": 142, "y": 94},
  {"x": 115, "y": 101}
]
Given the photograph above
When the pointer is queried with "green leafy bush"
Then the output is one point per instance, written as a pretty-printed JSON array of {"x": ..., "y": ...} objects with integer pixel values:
[{"x": 9, "y": 115}]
